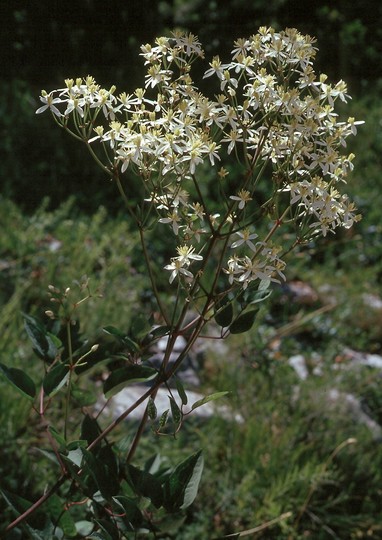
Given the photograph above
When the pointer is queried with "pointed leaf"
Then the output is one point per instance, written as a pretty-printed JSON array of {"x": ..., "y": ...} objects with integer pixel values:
[
  {"x": 55, "y": 379},
  {"x": 181, "y": 391},
  {"x": 49, "y": 454},
  {"x": 100, "y": 536},
  {"x": 61, "y": 516},
  {"x": 151, "y": 409},
  {"x": 104, "y": 477},
  {"x": 152, "y": 465},
  {"x": 75, "y": 456},
  {"x": 182, "y": 485},
  {"x": 211, "y": 397},
  {"x": 160, "y": 331},
  {"x": 224, "y": 313},
  {"x": 84, "y": 528},
  {"x": 133, "y": 515},
  {"x": 19, "y": 380},
  {"x": 19, "y": 505},
  {"x": 121, "y": 377},
  {"x": 163, "y": 419},
  {"x": 57, "y": 437},
  {"x": 127, "y": 342},
  {"x": 109, "y": 530},
  {"x": 146, "y": 485},
  {"x": 175, "y": 411},
  {"x": 264, "y": 284},
  {"x": 140, "y": 326},
  {"x": 115, "y": 332},
  {"x": 89, "y": 429},
  {"x": 244, "y": 322},
  {"x": 43, "y": 343},
  {"x": 84, "y": 397},
  {"x": 261, "y": 295}
]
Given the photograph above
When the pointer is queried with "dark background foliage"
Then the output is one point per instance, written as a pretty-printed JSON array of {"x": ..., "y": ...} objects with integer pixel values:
[{"x": 42, "y": 43}]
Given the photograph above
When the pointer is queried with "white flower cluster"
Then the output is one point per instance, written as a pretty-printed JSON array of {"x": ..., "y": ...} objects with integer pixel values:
[
  {"x": 272, "y": 109},
  {"x": 247, "y": 269}
]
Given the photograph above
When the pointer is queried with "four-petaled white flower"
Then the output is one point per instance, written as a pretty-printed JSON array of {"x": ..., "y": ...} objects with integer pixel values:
[
  {"x": 49, "y": 103},
  {"x": 172, "y": 218},
  {"x": 177, "y": 269},
  {"x": 243, "y": 197},
  {"x": 245, "y": 240},
  {"x": 179, "y": 264}
]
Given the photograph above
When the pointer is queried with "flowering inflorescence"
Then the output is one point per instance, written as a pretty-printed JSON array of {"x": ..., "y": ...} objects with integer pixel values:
[{"x": 271, "y": 109}]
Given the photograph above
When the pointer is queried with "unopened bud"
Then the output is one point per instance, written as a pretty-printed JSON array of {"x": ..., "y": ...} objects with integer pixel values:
[{"x": 94, "y": 348}]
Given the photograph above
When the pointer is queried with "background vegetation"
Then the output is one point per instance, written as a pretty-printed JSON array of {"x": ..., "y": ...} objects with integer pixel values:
[{"x": 295, "y": 451}]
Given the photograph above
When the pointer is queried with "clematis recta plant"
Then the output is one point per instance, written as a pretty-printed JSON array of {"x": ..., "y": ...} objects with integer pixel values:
[{"x": 268, "y": 113}]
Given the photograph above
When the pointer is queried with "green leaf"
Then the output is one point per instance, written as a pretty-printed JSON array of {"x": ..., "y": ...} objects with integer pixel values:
[
  {"x": 79, "y": 443},
  {"x": 160, "y": 331},
  {"x": 146, "y": 485},
  {"x": 152, "y": 465},
  {"x": 211, "y": 397},
  {"x": 115, "y": 332},
  {"x": 61, "y": 516},
  {"x": 224, "y": 313},
  {"x": 181, "y": 391},
  {"x": 163, "y": 419},
  {"x": 84, "y": 528},
  {"x": 121, "y": 377},
  {"x": 171, "y": 523},
  {"x": 151, "y": 409},
  {"x": 44, "y": 344},
  {"x": 109, "y": 530},
  {"x": 244, "y": 322},
  {"x": 108, "y": 457},
  {"x": 104, "y": 477},
  {"x": 75, "y": 456},
  {"x": 261, "y": 295},
  {"x": 19, "y": 505},
  {"x": 127, "y": 342},
  {"x": 83, "y": 396},
  {"x": 19, "y": 380},
  {"x": 175, "y": 411},
  {"x": 140, "y": 326},
  {"x": 154, "y": 334},
  {"x": 49, "y": 454},
  {"x": 89, "y": 429},
  {"x": 57, "y": 437},
  {"x": 99, "y": 536},
  {"x": 264, "y": 284},
  {"x": 46, "y": 533},
  {"x": 181, "y": 487},
  {"x": 133, "y": 515},
  {"x": 55, "y": 379}
]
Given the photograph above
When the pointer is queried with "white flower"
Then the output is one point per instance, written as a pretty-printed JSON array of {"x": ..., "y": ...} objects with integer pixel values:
[
  {"x": 177, "y": 269},
  {"x": 186, "y": 254},
  {"x": 243, "y": 197},
  {"x": 233, "y": 137},
  {"x": 216, "y": 69},
  {"x": 49, "y": 103},
  {"x": 179, "y": 264},
  {"x": 253, "y": 269},
  {"x": 75, "y": 104},
  {"x": 245, "y": 239},
  {"x": 233, "y": 269},
  {"x": 172, "y": 218}
]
